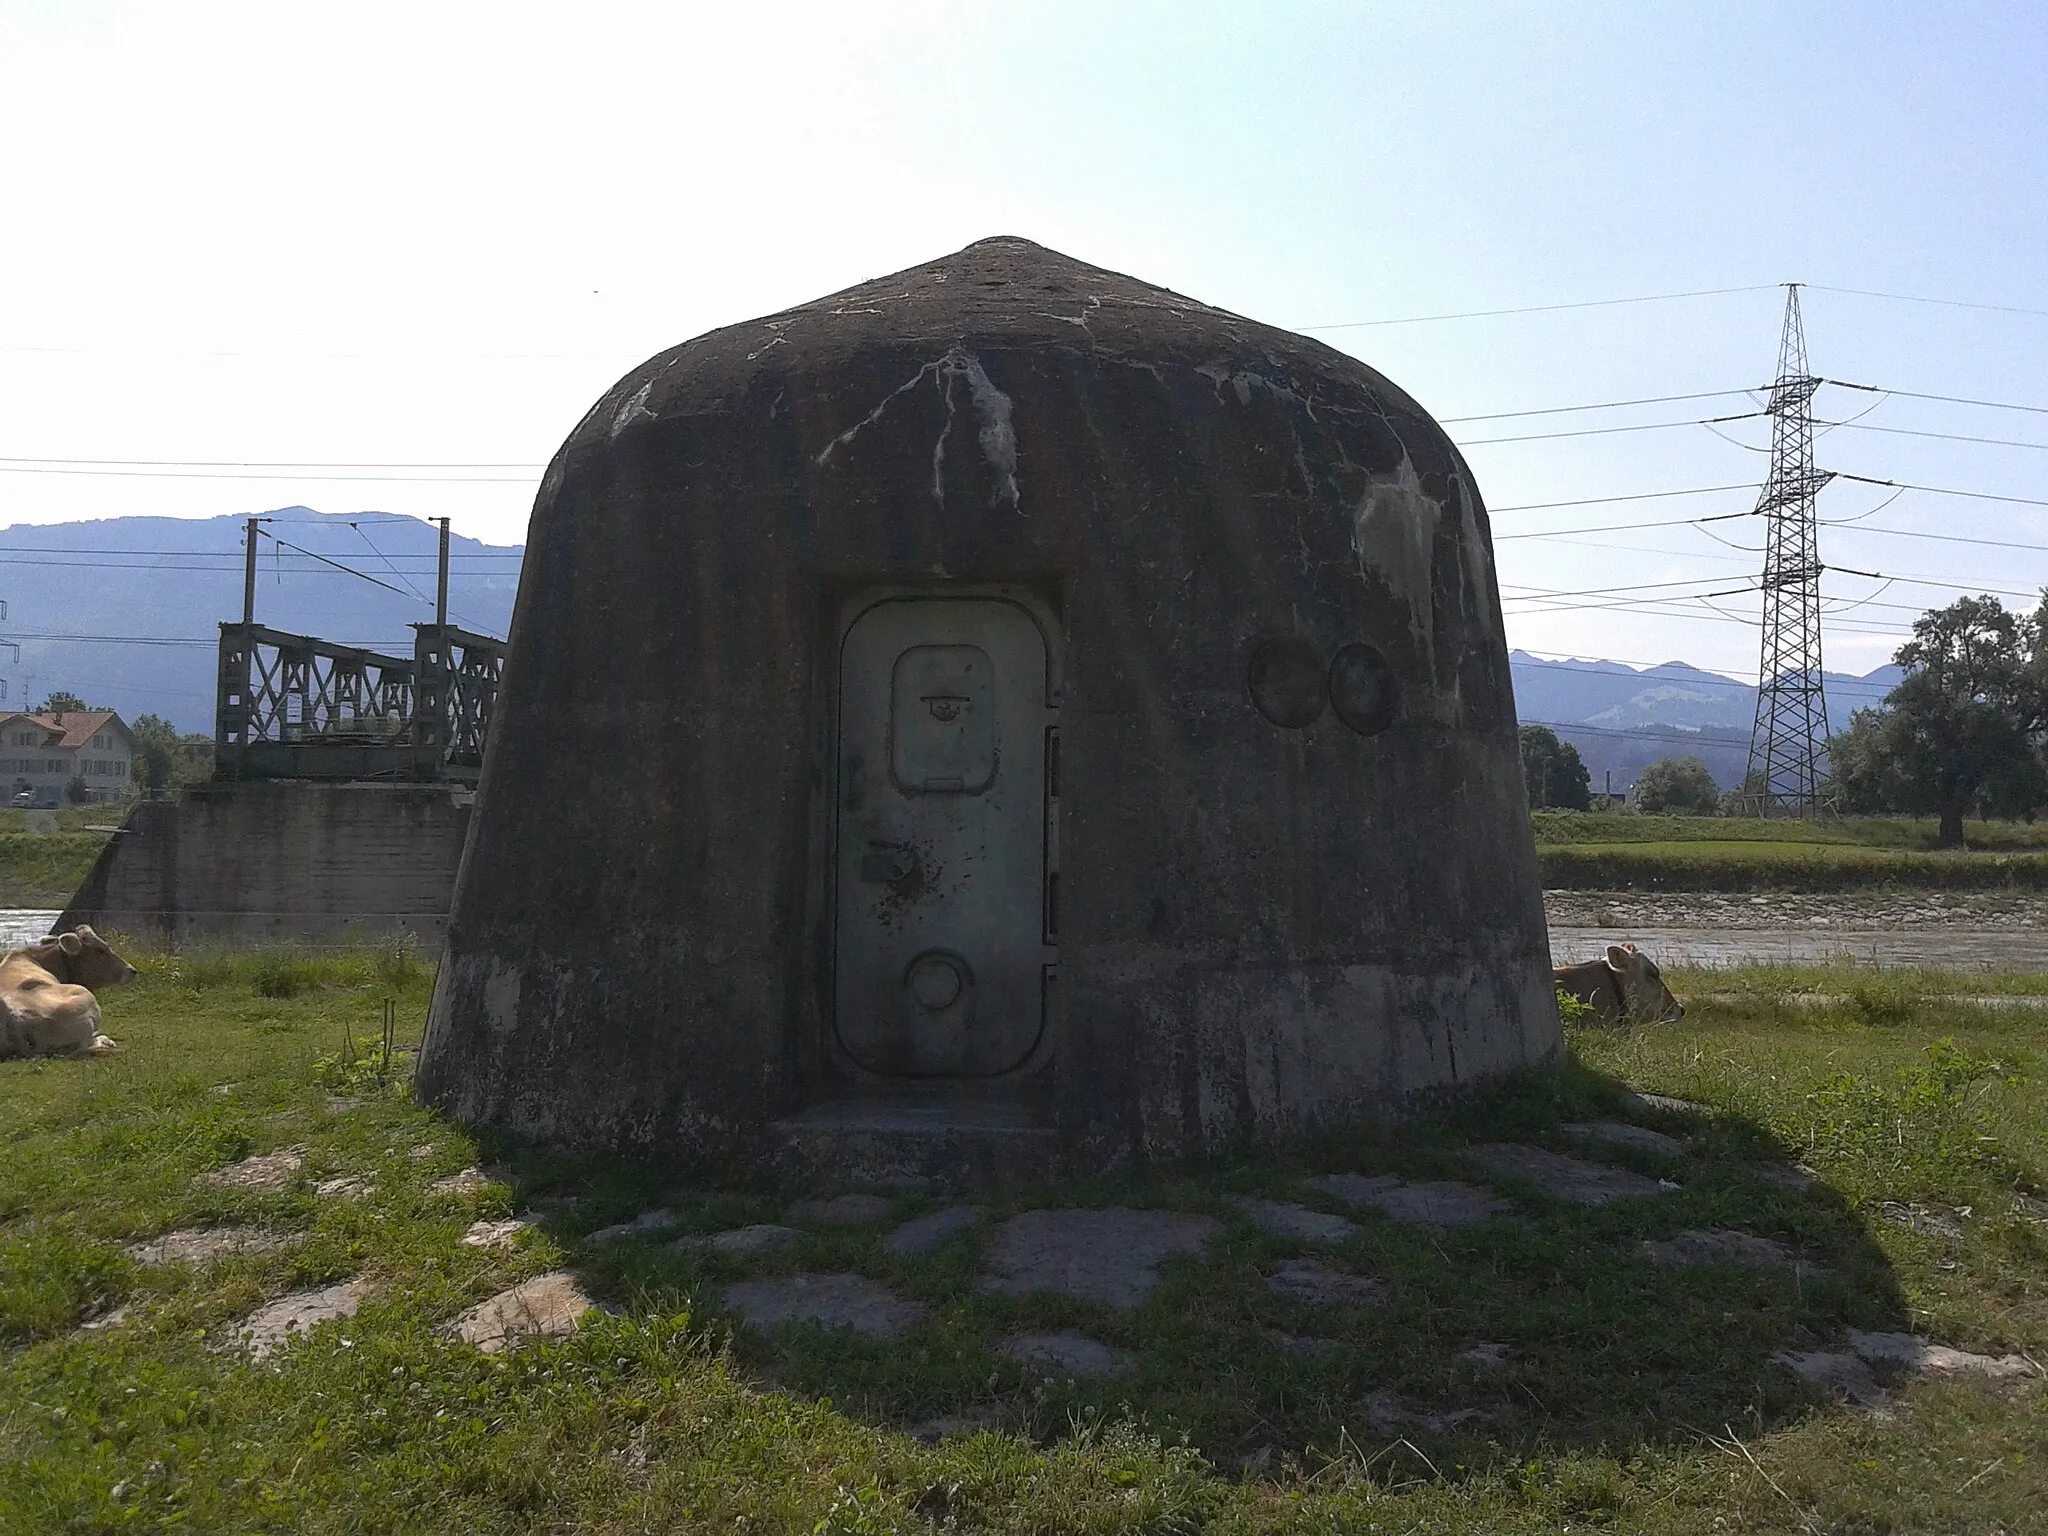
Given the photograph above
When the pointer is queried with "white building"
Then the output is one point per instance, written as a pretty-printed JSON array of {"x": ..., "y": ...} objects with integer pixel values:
[{"x": 42, "y": 754}]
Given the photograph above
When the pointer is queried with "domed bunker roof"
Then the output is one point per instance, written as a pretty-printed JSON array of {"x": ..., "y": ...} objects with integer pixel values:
[{"x": 999, "y": 718}]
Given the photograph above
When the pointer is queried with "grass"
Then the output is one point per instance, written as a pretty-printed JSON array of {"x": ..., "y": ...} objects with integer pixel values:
[
  {"x": 44, "y": 869},
  {"x": 1589, "y": 850},
  {"x": 1756, "y": 865},
  {"x": 1898, "y": 833},
  {"x": 1635, "y": 1398}
]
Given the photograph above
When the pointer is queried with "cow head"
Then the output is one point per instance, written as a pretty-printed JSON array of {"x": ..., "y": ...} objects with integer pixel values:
[
  {"x": 82, "y": 958},
  {"x": 1644, "y": 997}
]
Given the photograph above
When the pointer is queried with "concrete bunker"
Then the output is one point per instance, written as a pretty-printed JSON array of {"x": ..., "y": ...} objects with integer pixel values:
[{"x": 999, "y": 720}]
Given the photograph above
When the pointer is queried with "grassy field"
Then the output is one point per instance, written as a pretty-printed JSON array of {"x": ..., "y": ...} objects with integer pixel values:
[
  {"x": 43, "y": 869},
  {"x": 1591, "y": 851},
  {"x": 1894, "y": 833},
  {"x": 1632, "y": 1397}
]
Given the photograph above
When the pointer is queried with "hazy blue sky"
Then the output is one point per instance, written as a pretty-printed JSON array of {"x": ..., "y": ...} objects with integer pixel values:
[{"x": 430, "y": 233}]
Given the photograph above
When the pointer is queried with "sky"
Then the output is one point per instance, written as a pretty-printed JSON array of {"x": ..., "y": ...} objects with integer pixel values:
[{"x": 350, "y": 241}]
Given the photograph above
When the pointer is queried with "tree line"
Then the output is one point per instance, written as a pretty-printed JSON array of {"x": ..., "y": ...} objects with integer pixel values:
[{"x": 1965, "y": 733}]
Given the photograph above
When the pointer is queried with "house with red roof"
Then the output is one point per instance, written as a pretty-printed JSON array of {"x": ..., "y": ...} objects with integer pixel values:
[{"x": 78, "y": 757}]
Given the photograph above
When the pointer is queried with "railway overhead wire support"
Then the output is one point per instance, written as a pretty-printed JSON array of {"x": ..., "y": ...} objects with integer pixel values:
[{"x": 1791, "y": 731}]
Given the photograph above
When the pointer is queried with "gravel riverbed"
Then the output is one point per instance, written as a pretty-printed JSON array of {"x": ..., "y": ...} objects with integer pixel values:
[{"x": 1973, "y": 930}]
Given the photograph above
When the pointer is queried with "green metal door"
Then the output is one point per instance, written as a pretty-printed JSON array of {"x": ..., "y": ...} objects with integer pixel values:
[{"x": 942, "y": 928}]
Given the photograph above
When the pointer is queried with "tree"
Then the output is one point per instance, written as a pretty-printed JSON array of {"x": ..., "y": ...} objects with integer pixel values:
[
  {"x": 1958, "y": 732},
  {"x": 156, "y": 753},
  {"x": 1862, "y": 766},
  {"x": 61, "y": 702},
  {"x": 1678, "y": 786},
  {"x": 1552, "y": 771},
  {"x": 166, "y": 762}
]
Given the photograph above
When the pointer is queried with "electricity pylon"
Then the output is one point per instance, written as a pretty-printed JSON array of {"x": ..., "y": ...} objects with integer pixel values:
[{"x": 1791, "y": 730}]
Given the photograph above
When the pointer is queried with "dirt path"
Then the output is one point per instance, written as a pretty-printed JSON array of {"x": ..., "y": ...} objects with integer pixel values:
[{"x": 1992, "y": 931}]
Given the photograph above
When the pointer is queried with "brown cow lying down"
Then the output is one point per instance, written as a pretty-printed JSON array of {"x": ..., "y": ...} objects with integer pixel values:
[
  {"x": 47, "y": 1007},
  {"x": 1624, "y": 988}
]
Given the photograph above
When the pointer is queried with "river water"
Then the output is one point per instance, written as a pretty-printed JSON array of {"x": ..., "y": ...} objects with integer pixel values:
[{"x": 1963, "y": 935}]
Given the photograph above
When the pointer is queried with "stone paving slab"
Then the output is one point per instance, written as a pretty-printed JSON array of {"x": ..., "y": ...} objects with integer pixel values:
[
  {"x": 1435, "y": 1202},
  {"x": 548, "y": 1306},
  {"x": 1485, "y": 1357},
  {"x": 928, "y": 1234},
  {"x": 490, "y": 1234},
  {"x": 845, "y": 1211},
  {"x": 1695, "y": 1250},
  {"x": 762, "y": 1237},
  {"x": 268, "y": 1329},
  {"x": 1925, "y": 1220},
  {"x": 1319, "y": 1285},
  {"x": 263, "y": 1174},
  {"x": 345, "y": 1186},
  {"x": 643, "y": 1225},
  {"x": 1108, "y": 1256},
  {"x": 1662, "y": 1101},
  {"x": 1297, "y": 1222},
  {"x": 836, "y": 1301},
  {"x": 1910, "y": 1353},
  {"x": 1835, "y": 1370},
  {"x": 1847, "y": 1371},
  {"x": 1619, "y": 1133},
  {"x": 1389, "y": 1413},
  {"x": 202, "y": 1245},
  {"x": 1567, "y": 1178},
  {"x": 466, "y": 1182},
  {"x": 1069, "y": 1354}
]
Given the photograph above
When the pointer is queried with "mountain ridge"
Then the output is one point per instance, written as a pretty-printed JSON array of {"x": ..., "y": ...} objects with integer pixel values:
[{"x": 124, "y": 612}]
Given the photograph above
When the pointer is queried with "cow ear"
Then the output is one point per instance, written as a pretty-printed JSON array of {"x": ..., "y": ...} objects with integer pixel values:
[
  {"x": 70, "y": 943},
  {"x": 1617, "y": 956}
]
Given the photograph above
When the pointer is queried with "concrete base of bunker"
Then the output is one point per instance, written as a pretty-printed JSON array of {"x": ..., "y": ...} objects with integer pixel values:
[
  {"x": 1002, "y": 721},
  {"x": 916, "y": 1143}
]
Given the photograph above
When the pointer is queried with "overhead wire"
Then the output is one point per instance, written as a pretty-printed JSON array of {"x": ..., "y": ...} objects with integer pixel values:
[{"x": 1538, "y": 309}]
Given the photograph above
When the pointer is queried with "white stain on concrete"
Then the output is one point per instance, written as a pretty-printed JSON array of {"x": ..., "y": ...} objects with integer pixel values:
[
  {"x": 633, "y": 410},
  {"x": 1393, "y": 530},
  {"x": 995, "y": 432}
]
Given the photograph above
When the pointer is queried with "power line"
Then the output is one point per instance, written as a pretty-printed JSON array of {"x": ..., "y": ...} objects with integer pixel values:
[
  {"x": 1596, "y": 501},
  {"x": 1641, "y": 426},
  {"x": 14, "y": 458},
  {"x": 1604, "y": 405},
  {"x": 1668, "y": 522},
  {"x": 1537, "y": 309},
  {"x": 1939, "y": 538},
  {"x": 1912, "y": 298},
  {"x": 171, "y": 474},
  {"x": 374, "y": 581},
  {"x": 1993, "y": 405},
  {"x": 209, "y": 641},
  {"x": 1947, "y": 437},
  {"x": 1935, "y": 490}
]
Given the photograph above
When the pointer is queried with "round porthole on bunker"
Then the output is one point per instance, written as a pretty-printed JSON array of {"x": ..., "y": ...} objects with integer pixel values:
[{"x": 1002, "y": 720}]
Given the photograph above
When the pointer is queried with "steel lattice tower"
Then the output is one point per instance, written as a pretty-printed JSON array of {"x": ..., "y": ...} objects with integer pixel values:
[{"x": 1791, "y": 711}]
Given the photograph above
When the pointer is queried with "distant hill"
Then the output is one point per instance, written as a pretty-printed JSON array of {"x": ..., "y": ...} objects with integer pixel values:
[
  {"x": 1624, "y": 718},
  {"x": 151, "y": 591},
  {"x": 148, "y": 593}
]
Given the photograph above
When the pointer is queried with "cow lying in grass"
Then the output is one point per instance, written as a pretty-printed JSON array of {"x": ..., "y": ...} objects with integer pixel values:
[
  {"x": 1624, "y": 987},
  {"x": 47, "y": 1007}
]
